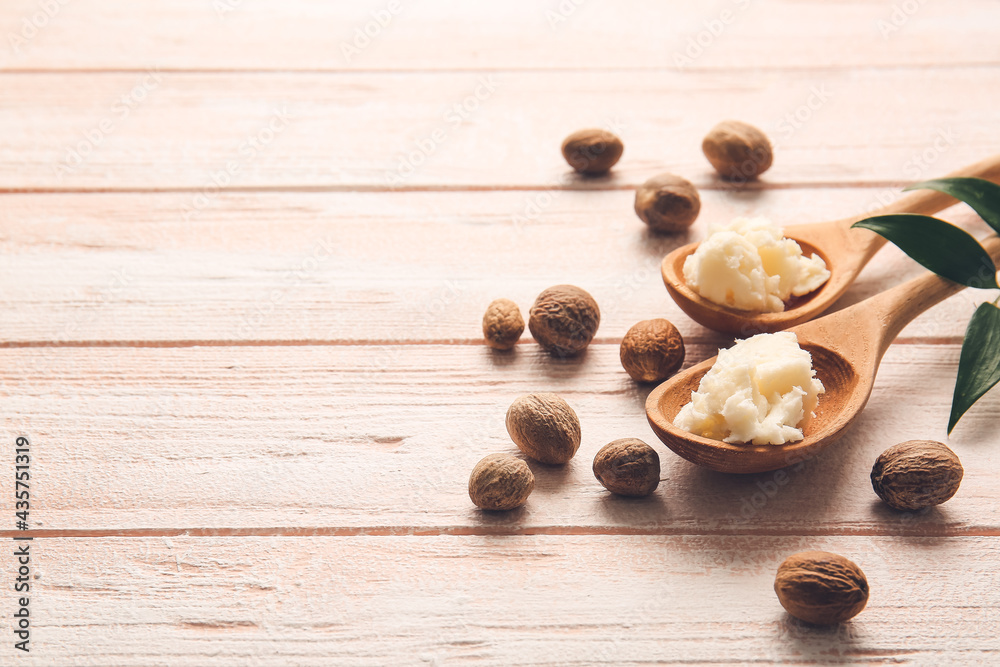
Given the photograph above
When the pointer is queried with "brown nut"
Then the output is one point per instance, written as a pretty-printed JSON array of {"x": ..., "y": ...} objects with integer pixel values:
[
  {"x": 916, "y": 474},
  {"x": 502, "y": 324},
  {"x": 564, "y": 319},
  {"x": 500, "y": 482},
  {"x": 738, "y": 151},
  {"x": 544, "y": 427},
  {"x": 652, "y": 351},
  {"x": 592, "y": 152},
  {"x": 820, "y": 587},
  {"x": 628, "y": 467},
  {"x": 667, "y": 203}
]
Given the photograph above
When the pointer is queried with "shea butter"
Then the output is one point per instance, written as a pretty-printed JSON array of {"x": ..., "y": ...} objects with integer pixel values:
[
  {"x": 760, "y": 391},
  {"x": 750, "y": 265}
]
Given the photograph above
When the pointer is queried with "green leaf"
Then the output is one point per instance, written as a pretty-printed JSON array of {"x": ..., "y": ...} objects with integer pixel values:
[
  {"x": 982, "y": 195},
  {"x": 979, "y": 364},
  {"x": 939, "y": 246}
]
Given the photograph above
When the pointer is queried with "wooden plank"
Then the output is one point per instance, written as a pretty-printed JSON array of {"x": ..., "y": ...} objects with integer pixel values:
[
  {"x": 253, "y": 378},
  {"x": 518, "y": 34},
  {"x": 533, "y": 600},
  {"x": 161, "y": 130},
  {"x": 369, "y": 266},
  {"x": 362, "y": 439}
]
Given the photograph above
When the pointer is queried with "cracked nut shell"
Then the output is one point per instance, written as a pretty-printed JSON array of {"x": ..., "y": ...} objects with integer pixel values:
[
  {"x": 821, "y": 587},
  {"x": 592, "y": 151},
  {"x": 628, "y": 467},
  {"x": 544, "y": 427},
  {"x": 502, "y": 324},
  {"x": 652, "y": 350},
  {"x": 500, "y": 482},
  {"x": 737, "y": 150},
  {"x": 564, "y": 319},
  {"x": 667, "y": 203},
  {"x": 916, "y": 474}
]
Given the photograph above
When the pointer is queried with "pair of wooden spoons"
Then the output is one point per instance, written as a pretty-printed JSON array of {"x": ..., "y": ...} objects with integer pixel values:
[{"x": 846, "y": 346}]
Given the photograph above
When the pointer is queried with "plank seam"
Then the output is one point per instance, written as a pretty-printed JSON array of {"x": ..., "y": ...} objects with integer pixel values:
[
  {"x": 717, "y": 185},
  {"x": 692, "y": 70},
  {"x": 690, "y": 340},
  {"x": 491, "y": 531}
]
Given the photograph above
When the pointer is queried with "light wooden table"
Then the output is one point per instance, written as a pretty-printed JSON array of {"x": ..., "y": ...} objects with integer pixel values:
[{"x": 242, "y": 271}]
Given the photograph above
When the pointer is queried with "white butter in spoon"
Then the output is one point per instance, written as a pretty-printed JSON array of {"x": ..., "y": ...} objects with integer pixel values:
[
  {"x": 749, "y": 265},
  {"x": 760, "y": 391}
]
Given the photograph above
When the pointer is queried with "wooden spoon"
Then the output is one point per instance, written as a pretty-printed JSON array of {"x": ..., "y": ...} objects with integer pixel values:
[
  {"x": 845, "y": 251},
  {"x": 846, "y": 349}
]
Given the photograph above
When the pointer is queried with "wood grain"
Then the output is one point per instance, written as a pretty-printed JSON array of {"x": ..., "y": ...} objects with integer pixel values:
[
  {"x": 371, "y": 267},
  {"x": 244, "y": 337},
  {"x": 532, "y": 600},
  {"x": 203, "y": 132},
  {"x": 362, "y": 439},
  {"x": 517, "y": 34}
]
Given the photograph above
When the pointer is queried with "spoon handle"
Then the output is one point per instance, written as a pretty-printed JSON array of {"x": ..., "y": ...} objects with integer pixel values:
[
  {"x": 864, "y": 243},
  {"x": 928, "y": 202},
  {"x": 897, "y": 307}
]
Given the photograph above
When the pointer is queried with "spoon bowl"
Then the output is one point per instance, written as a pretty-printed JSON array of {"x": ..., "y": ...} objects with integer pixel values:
[
  {"x": 844, "y": 250},
  {"x": 838, "y": 376},
  {"x": 846, "y": 348},
  {"x": 745, "y": 323}
]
